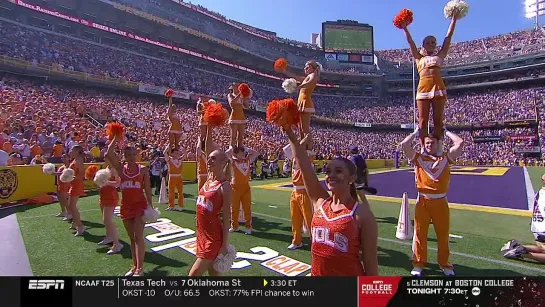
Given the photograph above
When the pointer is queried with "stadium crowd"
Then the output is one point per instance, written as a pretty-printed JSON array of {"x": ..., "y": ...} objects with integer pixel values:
[
  {"x": 39, "y": 47},
  {"x": 40, "y": 120}
]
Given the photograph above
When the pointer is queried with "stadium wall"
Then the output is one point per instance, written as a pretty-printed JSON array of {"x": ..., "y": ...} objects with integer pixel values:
[{"x": 28, "y": 181}]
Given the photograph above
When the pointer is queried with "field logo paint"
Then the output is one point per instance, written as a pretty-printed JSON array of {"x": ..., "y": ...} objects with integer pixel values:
[{"x": 267, "y": 257}]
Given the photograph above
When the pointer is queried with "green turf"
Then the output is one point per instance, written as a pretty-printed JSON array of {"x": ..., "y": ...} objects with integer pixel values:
[
  {"x": 347, "y": 39},
  {"x": 53, "y": 250}
]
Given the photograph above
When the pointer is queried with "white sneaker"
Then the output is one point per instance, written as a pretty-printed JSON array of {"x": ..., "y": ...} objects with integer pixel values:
[
  {"x": 294, "y": 247},
  {"x": 448, "y": 272},
  {"x": 233, "y": 229},
  {"x": 131, "y": 272},
  {"x": 416, "y": 272},
  {"x": 62, "y": 214},
  {"x": 179, "y": 209},
  {"x": 169, "y": 209},
  {"x": 67, "y": 218},
  {"x": 248, "y": 231},
  {"x": 106, "y": 241},
  {"x": 80, "y": 231},
  {"x": 115, "y": 249}
]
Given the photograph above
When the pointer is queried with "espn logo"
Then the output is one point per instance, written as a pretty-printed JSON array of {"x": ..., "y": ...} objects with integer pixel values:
[{"x": 45, "y": 284}]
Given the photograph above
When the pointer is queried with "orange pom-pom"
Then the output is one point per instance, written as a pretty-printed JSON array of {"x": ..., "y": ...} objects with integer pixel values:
[
  {"x": 91, "y": 171},
  {"x": 280, "y": 64},
  {"x": 283, "y": 112},
  {"x": 215, "y": 114},
  {"x": 244, "y": 90},
  {"x": 169, "y": 93},
  {"x": 114, "y": 129},
  {"x": 403, "y": 18}
]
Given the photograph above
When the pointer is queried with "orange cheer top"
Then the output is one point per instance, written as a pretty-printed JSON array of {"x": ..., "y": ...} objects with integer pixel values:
[
  {"x": 432, "y": 174},
  {"x": 297, "y": 175},
  {"x": 430, "y": 86},
  {"x": 305, "y": 99},
  {"x": 241, "y": 172},
  {"x": 175, "y": 167},
  {"x": 237, "y": 112}
]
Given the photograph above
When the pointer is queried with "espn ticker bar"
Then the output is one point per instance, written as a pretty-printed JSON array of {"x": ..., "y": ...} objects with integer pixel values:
[{"x": 280, "y": 291}]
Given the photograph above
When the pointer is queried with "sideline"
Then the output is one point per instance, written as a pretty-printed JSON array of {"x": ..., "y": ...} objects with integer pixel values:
[
  {"x": 13, "y": 255},
  {"x": 469, "y": 256}
]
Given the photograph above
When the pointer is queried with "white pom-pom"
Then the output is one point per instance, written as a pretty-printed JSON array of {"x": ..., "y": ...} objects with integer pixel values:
[
  {"x": 223, "y": 263},
  {"x": 102, "y": 177},
  {"x": 151, "y": 215},
  {"x": 290, "y": 85},
  {"x": 460, "y": 7},
  {"x": 67, "y": 175},
  {"x": 48, "y": 169}
]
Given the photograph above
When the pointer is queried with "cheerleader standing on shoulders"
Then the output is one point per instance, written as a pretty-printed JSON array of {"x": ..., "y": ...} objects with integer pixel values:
[
  {"x": 136, "y": 196},
  {"x": 337, "y": 218},
  {"x": 202, "y": 123},
  {"x": 214, "y": 197},
  {"x": 63, "y": 189},
  {"x": 109, "y": 198},
  {"x": 175, "y": 129},
  {"x": 76, "y": 188},
  {"x": 237, "y": 119},
  {"x": 431, "y": 92},
  {"x": 305, "y": 104}
]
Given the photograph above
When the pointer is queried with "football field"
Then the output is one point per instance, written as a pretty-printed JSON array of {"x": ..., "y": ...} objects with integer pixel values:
[
  {"x": 477, "y": 233},
  {"x": 348, "y": 39}
]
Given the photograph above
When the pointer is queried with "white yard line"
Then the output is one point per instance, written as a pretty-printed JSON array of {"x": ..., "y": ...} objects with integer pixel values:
[{"x": 530, "y": 193}]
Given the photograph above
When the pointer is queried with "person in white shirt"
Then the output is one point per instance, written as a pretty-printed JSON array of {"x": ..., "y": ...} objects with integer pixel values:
[{"x": 515, "y": 250}]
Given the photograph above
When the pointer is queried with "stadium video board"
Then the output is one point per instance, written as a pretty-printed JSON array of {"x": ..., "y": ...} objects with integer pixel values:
[{"x": 350, "y": 42}]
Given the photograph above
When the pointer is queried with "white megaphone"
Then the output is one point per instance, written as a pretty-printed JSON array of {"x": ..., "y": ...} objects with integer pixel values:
[
  {"x": 163, "y": 194},
  {"x": 404, "y": 229}
]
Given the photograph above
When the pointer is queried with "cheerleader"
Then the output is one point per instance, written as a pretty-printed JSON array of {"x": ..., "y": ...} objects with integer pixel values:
[
  {"x": 241, "y": 158},
  {"x": 431, "y": 92},
  {"x": 237, "y": 120},
  {"x": 174, "y": 160},
  {"x": 175, "y": 129},
  {"x": 136, "y": 196},
  {"x": 305, "y": 103},
  {"x": 76, "y": 188},
  {"x": 214, "y": 198},
  {"x": 109, "y": 198},
  {"x": 62, "y": 190},
  {"x": 202, "y": 123},
  {"x": 338, "y": 218}
]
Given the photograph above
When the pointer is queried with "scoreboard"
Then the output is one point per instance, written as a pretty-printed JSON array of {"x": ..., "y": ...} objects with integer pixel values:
[{"x": 348, "y": 42}]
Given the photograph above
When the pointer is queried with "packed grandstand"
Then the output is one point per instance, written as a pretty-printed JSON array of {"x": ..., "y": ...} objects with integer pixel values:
[{"x": 71, "y": 66}]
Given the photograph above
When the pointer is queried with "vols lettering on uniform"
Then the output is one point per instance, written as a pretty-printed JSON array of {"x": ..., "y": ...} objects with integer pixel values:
[
  {"x": 205, "y": 203},
  {"x": 129, "y": 184},
  {"x": 323, "y": 235}
]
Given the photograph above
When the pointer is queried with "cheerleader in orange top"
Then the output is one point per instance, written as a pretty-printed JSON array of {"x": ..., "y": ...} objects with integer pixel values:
[
  {"x": 76, "y": 188},
  {"x": 174, "y": 160},
  {"x": 432, "y": 170},
  {"x": 432, "y": 92},
  {"x": 237, "y": 119},
  {"x": 241, "y": 158},
  {"x": 175, "y": 129},
  {"x": 341, "y": 228},
  {"x": 109, "y": 198},
  {"x": 305, "y": 103},
  {"x": 214, "y": 198},
  {"x": 62, "y": 190},
  {"x": 136, "y": 197},
  {"x": 200, "y": 114}
]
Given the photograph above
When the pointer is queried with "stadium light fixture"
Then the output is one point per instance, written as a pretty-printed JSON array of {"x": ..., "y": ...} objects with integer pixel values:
[{"x": 534, "y": 9}]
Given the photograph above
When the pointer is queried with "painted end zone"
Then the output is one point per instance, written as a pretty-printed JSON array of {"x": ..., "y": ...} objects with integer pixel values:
[{"x": 490, "y": 189}]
